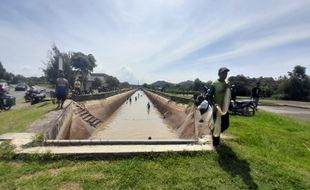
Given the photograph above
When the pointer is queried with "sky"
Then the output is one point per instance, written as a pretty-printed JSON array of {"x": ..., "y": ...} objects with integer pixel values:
[{"x": 142, "y": 41}]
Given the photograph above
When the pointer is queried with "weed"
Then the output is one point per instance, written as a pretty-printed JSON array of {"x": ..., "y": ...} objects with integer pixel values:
[{"x": 6, "y": 150}]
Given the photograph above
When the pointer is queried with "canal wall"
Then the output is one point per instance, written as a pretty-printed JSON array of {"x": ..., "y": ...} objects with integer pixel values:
[
  {"x": 54, "y": 125},
  {"x": 72, "y": 124},
  {"x": 100, "y": 109},
  {"x": 180, "y": 117}
]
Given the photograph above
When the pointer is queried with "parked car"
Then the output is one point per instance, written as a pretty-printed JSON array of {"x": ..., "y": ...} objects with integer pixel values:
[
  {"x": 21, "y": 87},
  {"x": 5, "y": 86}
]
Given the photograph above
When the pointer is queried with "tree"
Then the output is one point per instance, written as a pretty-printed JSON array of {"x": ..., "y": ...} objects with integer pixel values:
[
  {"x": 198, "y": 85},
  {"x": 52, "y": 71},
  {"x": 2, "y": 71},
  {"x": 297, "y": 87},
  {"x": 298, "y": 72},
  {"x": 146, "y": 85},
  {"x": 97, "y": 83},
  {"x": 124, "y": 85},
  {"x": 84, "y": 64},
  {"x": 4, "y": 74},
  {"x": 18, "y": 78},
  {"x": 112, "y": 82},
  {"x": 242, "y": 85}
]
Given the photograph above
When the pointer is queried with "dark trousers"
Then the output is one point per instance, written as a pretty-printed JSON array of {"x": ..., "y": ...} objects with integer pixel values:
[
  {"x": 224, "y": 126},
  {"x": 202, "y": 111}
]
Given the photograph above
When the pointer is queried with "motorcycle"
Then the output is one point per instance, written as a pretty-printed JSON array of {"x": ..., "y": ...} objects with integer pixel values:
[
  {"x": 245, "y": 107},
  {"x": 34, "y": 96},
  {"x": 7, "y": 102}
]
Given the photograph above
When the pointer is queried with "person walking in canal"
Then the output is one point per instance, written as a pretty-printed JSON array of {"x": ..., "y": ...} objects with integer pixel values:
[
  {"x": 62, "y": 87},
  {"x": 219, "y": 98},
  {"x": 148, "y": 105}
]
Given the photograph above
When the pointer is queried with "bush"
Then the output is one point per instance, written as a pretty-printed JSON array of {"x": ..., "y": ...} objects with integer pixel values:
[{"x": 278, "y": 96}]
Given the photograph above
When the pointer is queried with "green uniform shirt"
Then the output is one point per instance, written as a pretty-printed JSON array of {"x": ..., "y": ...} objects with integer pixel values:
[{"x": 217, "y": 92}]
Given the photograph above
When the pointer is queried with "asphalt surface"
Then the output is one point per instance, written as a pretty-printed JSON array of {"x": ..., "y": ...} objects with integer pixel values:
[
  {"x": 19, "y": 95},
  {"x": 291, "y": 103},
  {"x": 295, "y": 112}
]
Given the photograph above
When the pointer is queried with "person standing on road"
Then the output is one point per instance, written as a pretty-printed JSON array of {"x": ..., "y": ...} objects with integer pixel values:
[
  {"x": 2, "y": 95},
  {"x": 62, "y": 87},
  {"x": 256, "y": 94},
  {"x": 219, "y": 98}
]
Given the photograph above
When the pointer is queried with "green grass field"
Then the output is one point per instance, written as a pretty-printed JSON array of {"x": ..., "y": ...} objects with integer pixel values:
[
  {"x": 17, "y": 120},
  {"x": 268, "y": 152}
]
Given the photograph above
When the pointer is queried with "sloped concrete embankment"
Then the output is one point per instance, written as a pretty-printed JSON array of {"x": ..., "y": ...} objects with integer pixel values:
[
  {"x": 99, "y": 109},
  {"x": 55, "y": 124},
  {"x": 179, "y": 117}
]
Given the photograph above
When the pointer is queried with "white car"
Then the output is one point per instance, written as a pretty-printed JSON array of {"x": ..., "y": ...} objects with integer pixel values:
[{"x": 5, "y": 86}]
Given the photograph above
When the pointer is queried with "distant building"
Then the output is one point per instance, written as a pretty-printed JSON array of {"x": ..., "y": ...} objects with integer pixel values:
[{"x": 91, "y": 78}]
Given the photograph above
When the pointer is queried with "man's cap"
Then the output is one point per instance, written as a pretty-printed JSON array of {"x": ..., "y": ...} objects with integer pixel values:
[{"x": 223, "y": 69}]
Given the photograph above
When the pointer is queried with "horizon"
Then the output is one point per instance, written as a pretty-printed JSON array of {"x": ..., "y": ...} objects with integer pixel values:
[{"x": 149, "y": 41}]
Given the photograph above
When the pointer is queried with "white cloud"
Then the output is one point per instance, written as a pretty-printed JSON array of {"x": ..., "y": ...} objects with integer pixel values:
[
  {"x": 138, "y": 40},
  {"x": 257, "y": 45}
]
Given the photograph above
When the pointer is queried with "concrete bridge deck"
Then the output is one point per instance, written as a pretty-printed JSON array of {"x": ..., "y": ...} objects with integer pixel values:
[{"x": 18, "y": 140}]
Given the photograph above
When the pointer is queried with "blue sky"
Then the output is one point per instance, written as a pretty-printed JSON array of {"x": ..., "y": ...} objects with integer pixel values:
[{"x": 149, "y": 40}]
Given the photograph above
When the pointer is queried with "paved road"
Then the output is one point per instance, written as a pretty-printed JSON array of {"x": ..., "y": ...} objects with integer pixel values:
[
  {"x": 19, "y": 95},
  {"x": 299, "y": 113},
  {"x": 288, "y": 103}
]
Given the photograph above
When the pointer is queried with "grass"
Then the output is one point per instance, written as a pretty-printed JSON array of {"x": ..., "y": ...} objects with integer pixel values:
[
  {"x": 265, "y": 103},
  {"x": 19, "y": 119},
  {"x": 180, "y": 95},
  {"x": 268, "y": 152}
]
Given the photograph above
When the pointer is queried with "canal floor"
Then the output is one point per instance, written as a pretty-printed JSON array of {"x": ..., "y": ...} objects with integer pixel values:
[{"x": 133, "y": 120}]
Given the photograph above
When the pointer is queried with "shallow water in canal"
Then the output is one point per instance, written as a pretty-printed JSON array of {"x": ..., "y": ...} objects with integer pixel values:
[{"x": 135, "y": 121}]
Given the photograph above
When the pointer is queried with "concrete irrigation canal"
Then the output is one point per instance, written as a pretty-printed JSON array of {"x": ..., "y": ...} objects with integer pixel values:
[
  {"x": 116, "y": 123},
  {"x": 134, "y": 120}
]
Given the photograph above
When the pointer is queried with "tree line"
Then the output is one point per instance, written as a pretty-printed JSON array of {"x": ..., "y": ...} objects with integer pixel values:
[
  {"x": 14, "y": 79},
  {"x": 75, "y": 65},
  {"x": 293, "y": 86}
]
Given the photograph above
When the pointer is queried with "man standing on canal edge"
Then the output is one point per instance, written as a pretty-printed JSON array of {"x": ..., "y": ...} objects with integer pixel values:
[
  {"x": 219, "y": 97},
  {"x": 62, "y": 87},
  {"x": 255, "y": 94}
]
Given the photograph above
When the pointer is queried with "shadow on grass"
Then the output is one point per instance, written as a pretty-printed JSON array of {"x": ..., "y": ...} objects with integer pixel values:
[
  {"x": 229, "y": 161},
  {"x": 48, "y": 157}
]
